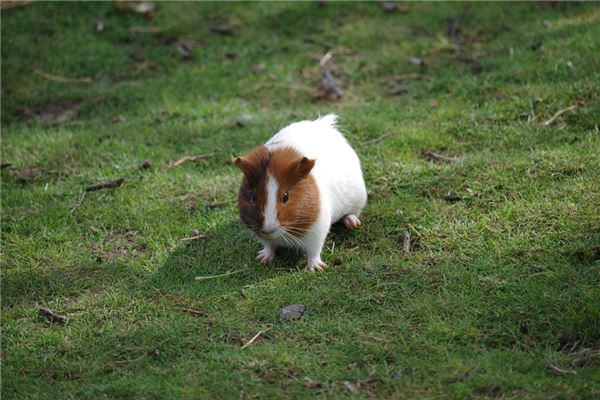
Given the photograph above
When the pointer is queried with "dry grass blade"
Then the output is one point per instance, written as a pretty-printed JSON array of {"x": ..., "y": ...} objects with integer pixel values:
[
  {"x": 559, "y": 113},
  {"x": 195, "y": 237},
  {"x": 191, "y": 311},
  {"x": 7, "y": 4},
  {"x": 185, "y": 159},
  {"x": 204, "y": 278},
  {"x": 376, "y": 140},
  {"x": 562, "y": 371},
  {"x": 63, "y": 79},
  {"x": 249, "y": 342}
]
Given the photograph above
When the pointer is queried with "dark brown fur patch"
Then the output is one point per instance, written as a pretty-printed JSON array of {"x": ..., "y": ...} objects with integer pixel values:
[{"x": 253, "y": 192}]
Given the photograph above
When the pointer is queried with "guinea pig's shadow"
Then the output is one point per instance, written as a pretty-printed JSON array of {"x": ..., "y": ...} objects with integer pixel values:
[{"x": 222, "y": 262}]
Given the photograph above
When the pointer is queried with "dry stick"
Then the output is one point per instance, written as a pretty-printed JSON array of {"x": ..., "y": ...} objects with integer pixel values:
[
  {"x": 196, "y": 237},
  {"x": 203, "y": 278},
  {"x": 146, "y": 29},
  {"x": 62, "y": 79},
  {"x": 190, "y": 158},
  {"x": 406, "y": 242},
  {"x": 439, "y": 157},
  {"x": 249, "y": 342},
  {"x": 191, "y": 311},
  {"x": 120, "y": 362},
  {"x": 559, "y": 113},
  {"x": 562, "y": 371},
  {"x": 376, "y": 140},
  {"x": 105, "y": 185},
  {"x": 395, "y": 78},
  {"x": 331, "y": 82}
]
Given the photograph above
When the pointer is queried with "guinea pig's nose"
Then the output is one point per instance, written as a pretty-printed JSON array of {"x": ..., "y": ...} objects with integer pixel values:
[{"x": 268, "y": 232}]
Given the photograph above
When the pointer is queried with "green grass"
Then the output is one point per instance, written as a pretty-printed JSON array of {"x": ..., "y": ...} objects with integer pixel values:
[{"x": 499, "y": 289}]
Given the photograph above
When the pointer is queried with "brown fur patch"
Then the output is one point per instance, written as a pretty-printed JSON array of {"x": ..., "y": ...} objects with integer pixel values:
[{"x": 292, "y": 172}]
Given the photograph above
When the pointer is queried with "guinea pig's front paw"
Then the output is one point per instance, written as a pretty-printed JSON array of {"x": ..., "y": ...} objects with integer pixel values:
[
  {"x": 265, "y": 255},
  {"x": 315, "y": 264}
]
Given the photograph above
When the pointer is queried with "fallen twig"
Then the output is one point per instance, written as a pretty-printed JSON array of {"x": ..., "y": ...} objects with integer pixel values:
[
  {"x": 190, "y": 158},
  {"x": 105, "y": 185},
  {"x": 559, "y": 113},
  {"x": 376, "y": 140},
  {"x": 249, "y": 342},
  {"x": 405, "y": 77},
  {"x": 191, "y": 311},
  {"x": 195, "y": 237},
  {"x": 203, "y": 278},
  {"x": 52, "y": 317},
  {"x": 562, "y": 371},
  {"x": 332, "y": 83},
  {"x": 63, "y": 79},
  {"x": 438, "y": 156},
  {"x": 146, "y": 29},
  {"x": 406, "y": 242}
]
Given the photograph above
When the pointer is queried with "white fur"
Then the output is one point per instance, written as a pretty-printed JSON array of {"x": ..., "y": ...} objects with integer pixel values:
[
  {"x": 270, "y": 222},
  {"x": 337, "y": 174}
]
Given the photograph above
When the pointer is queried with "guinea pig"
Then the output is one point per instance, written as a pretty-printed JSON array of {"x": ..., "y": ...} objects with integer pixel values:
[{"x": 296, "y": 185}]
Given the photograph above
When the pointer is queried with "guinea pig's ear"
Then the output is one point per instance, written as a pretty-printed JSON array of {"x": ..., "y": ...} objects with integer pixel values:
[
  {"x": 243, "y": 165},
  {"x": 302, "y": 167}
]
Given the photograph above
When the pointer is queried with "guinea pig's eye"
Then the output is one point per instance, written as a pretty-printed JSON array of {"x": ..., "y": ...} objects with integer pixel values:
[
  {"x": 286, "y": 196},
  {"x": 253, "y": 198}
]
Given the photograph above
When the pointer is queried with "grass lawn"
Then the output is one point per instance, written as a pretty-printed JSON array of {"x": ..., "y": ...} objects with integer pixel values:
[{"x": 499, "y": 295}]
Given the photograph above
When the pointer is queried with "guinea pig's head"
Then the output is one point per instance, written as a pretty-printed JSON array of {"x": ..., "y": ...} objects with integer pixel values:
[{"x": 278, "y": 197}]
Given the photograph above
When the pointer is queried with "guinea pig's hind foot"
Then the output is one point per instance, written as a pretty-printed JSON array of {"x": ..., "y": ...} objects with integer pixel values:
[
  {"x": 266, "y": 255},
  {"x": 351, "y": 221},
  {"x": 315, "y": 264}
]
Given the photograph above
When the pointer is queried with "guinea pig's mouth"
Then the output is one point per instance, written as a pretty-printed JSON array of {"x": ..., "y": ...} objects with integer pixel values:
[{"x": 271, "y": 234}]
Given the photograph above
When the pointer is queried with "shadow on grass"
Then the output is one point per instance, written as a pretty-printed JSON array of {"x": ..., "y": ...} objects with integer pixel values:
[{"x": 225, "y": 261}]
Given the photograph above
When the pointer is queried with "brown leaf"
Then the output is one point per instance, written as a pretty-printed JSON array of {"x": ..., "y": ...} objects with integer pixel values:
[
  {"x": 147, "y": 164},
  {"x": 105, "y": 185},
  {"x": 185, "y": 50},
  {"x": 452, "y": 197},
  {"x": 28, "y": 174},
  {"x": 54, "y": 114},
  {"x": 439, "y": 156},
  {"x": 398, "y": 89},
  {"x": 221, "y": 29},
  {"x": 52, "y": 317}
]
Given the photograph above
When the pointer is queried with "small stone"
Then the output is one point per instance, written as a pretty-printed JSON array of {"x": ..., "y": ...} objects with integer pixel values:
[
  {"x": 416, "y": 61},
  {"x": 291, "y": 312},
  {"x": 539, "y": 268},
  {"x": 352, "y": 388},
  {"x": 398, "y": 89},
  {"x": 195, "y": 232},
  {"x": 156, "y": 352},
  {"x": 398, "y": 374}
]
